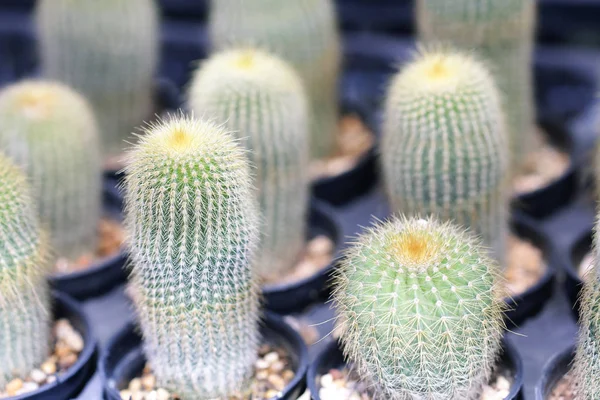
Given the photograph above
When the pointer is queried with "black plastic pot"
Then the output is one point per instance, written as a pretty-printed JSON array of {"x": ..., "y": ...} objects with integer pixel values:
[
  {"x": 294, "y": 297},
  {"x": 331, "y": 357},
  {"x": 124, "y": 357},
  {"x": 72, "y": 382},
  {"x": 528, "y": 304},
  {"x": 552, "y": 373},
  {"x": 346, "y": 187},
  {"x": 105, "y": 274},
  {"x": 185, "y": 9}
]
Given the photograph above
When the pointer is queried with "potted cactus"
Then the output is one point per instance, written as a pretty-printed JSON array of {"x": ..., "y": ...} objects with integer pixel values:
[
  {"x": 304, "y": 33},
  {"x": 445, "y": 153},
  {"x": 50, "y": 131},
  {"x": 260, "y": 98},
  {"x": 192, "y": 221},
  {"x": 31, "y": 366},
  {"x": 419, "y": 307},
  {"x": 108, "y": 51}
]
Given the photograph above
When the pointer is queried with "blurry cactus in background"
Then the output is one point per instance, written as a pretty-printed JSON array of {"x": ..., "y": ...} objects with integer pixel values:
[
  {"x": 50, "y": 131},
  {"x": 304, "y": 33},
  {"x": 502, "y": 32},
  {"x": 108, "y": 51},
  {"x": 261, "y": 100}
]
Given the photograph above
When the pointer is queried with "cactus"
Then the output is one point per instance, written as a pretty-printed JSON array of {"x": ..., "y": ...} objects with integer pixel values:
[
  {"x": 502, "y": 32},
  {"x": 192, "y": 225},
  {"x": 50, "y": 131},
  {"x": 108, "y": 51},
  {"x": 304, "y": 33},
  {"x": 24, "y": 306},
  {"x": 586, "y": 366},
  {"x": 444, "y": 148},
  {"x": 420, "y": 308},
  {"x": 261, "y": 99}
]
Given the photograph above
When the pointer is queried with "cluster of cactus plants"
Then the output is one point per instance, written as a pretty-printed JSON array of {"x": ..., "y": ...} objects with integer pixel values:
[
  {"x": 302, "y": 32},
  {"x": 444, "y": 146},
  {"x": 192, "y": 223},
  {"x": 501, "y": 32},
  {"x": 261, "y": 99},
  {"x": 108, "y": 51},
  {"x": 25, "y": 295},
  {"x": 50, "y": 131}
]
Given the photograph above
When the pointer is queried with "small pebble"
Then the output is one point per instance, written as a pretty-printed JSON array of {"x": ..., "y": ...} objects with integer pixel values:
[
  {"x": 261, "y": 364},
  {"x": 125, "y": 394},
  {"x": 67, "y": 361},
  {"x": 135, "y": 385},
  {"x": 148, "y": 382},
  {"x": 162, "y": 394},
  {"x": 38, "y": 376},
  {"x": 277, "y": 381},
  {"x": 49, "y": 367},
  {"x": 13, "y": 386},
  {"x": 271, "y": 357}
]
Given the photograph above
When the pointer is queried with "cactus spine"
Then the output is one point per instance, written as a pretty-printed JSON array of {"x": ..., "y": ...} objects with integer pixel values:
[
  {"x": 502, "y": 31},
  {"x": 24, "y": 293},
  {"x": 586, "y": 367},
  {"x": 192, "y": 226},
  {"x": 421, "y": 311},
  {"x": 108, "y": 51},
  {"x": 261, "y": 99},
  {"x": 50, "y": 131},
  {"x": 304, "y": 33},
  {"x": 444, "y": 148}
]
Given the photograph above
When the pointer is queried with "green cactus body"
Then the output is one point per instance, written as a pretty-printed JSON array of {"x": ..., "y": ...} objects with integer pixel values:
[
  {"x": 108, "y": 51},
  {"x": 261, "y": 99},
  {"x": 586, "y": 367},
  {"x": 192, "y": 226},
  {"x": 24, "y": 293},
  {"x": 420, "y": 311},
  {"x": 304, "y": 33},
  {"x": 502, "y": 32},
  {"x": 444, "y": 148},
  {"x": 50, "y": 131}
]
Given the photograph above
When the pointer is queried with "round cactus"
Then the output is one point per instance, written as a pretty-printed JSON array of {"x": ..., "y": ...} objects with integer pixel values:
[
  {"x": 25, "y": 306},
  {"x": 503, "y": 33},
  {"x": 192, "y": 226},
  {"x": 304, "y": 33},
  {"x": 261, "y": 99},
  {"x": 444, "y": 148},
  {"x": 420, "y": 308},
  {"x": 108, "y": 51},
  {"x": 50, "y": 131}
]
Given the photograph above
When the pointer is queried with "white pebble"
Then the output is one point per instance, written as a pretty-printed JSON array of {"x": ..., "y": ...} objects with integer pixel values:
[
  {"x": 271, "y": 357},
  {"x": 261, "y": 364},
  {"x": 151, "y": 396},
  {"x": 28, "y": 387},
  {"x": 502, "y": 383},
  {"x": 38, "y": 376},
  {"x": 162, "y": 394},
  {"x": 326, "y": 380}
]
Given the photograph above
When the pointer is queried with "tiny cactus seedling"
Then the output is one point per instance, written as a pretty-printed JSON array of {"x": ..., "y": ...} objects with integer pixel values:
[
  {"x": 304, "y": 33},
  {"x": 192, "y": 225},
  {"x": 24, "y": 293},
  {"x": 586, "y": 367},
  {"x": 261, "y": 99},
  {"x": 50, "y": 131},
  {"x": 444, "y": 147},
  {"x": 108, "y": 51},
  {"x": 420, "y": 310},
  {"x": 502, "y": 32}
]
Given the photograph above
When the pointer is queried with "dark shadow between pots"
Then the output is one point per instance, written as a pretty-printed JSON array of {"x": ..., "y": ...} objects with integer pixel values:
[
  {"x": 342, "y": 189},
  {"x": 72, "y": 382},
  {"x": 124, "y": 357},
  {"x": 552, "y": 373},
  {"x": 331, "y": 357},
  {"x": 104, "y": 274},
  {"x": 528, "y": 304},
  {"x": 296, "y": 296}
]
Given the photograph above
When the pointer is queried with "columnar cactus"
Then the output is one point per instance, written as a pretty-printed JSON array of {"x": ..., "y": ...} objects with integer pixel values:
[
  {"x": 24, "y": 293},
  {"x": 108, "y": 51},
  {"x": 192, "y": 226},
  {"x": 50, "y": 131},
  {"x": 444, "y": 147},
  {"x": 304, "y": 33},
  {"x": 586, "y": 367},
  {"x": 420, "y": 311},
  {"x": 502, "y": 32},
  {"x": 260, "y": 98}
]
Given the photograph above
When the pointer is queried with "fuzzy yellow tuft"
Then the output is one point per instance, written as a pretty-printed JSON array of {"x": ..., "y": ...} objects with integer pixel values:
[
  {"x": 416, "y": 246},
  {"x": 40, "y": 99}
]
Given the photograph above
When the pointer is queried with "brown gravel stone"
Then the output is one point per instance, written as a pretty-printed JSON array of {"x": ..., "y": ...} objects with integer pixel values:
[
  {"x": 565, "y": 389},
  {"x": 525, "y": 265}
]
